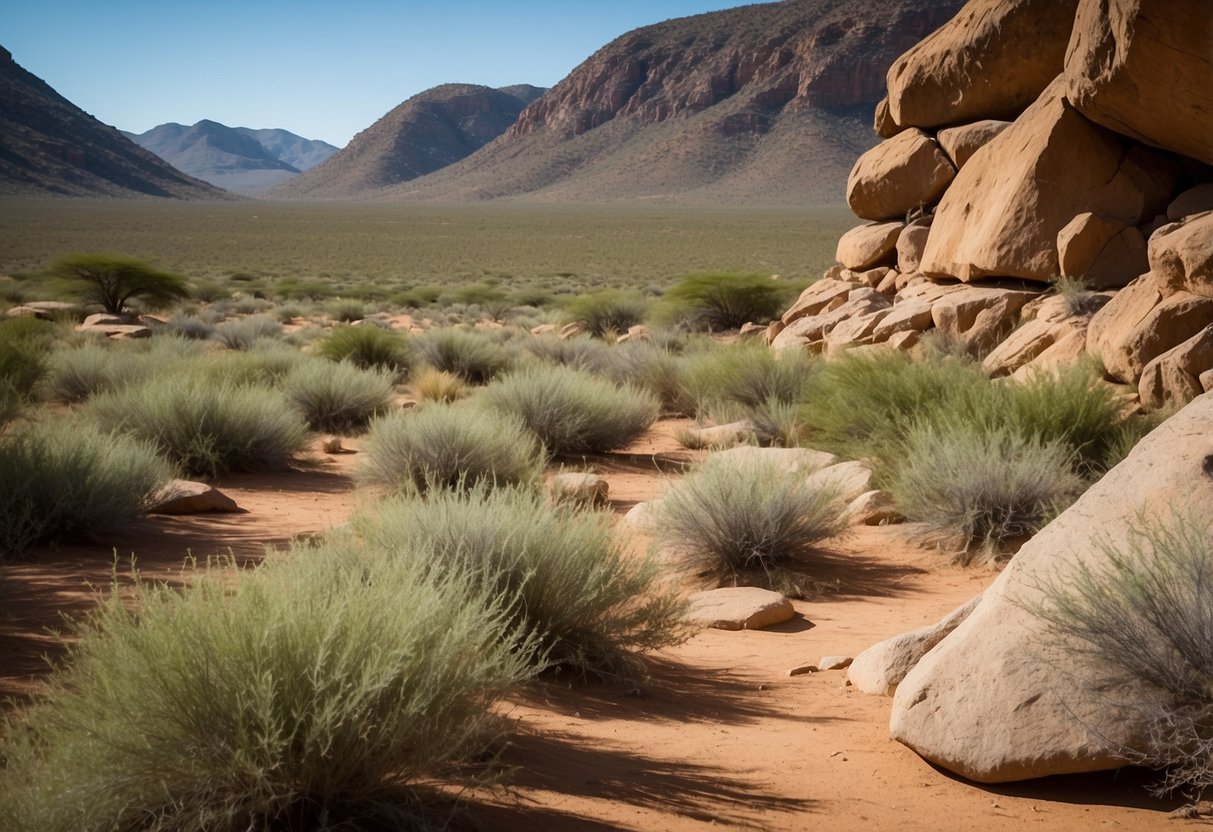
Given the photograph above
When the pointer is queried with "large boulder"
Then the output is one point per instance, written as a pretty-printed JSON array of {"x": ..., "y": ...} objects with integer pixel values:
[
  {"x": 823, "y": 296},
  {"x": 880, "y": 669},
  {"x": 911, "y": 243},
  {"x": 1002, "y": 215},
  {"x": 867, "y": 246},
  {"x": 1103, "y": 253},
  {"x": 1174, "y": 376},
  {"x": 902, "y": 173},
  {"x": 1003, "y": 698},
  {"x": 960, "y": 143},
  {"x": 1145, "y": 69},
  {"x": 739, "y": 608},
  {"x": 1127, "y": 340},
  {"x": 990, "y": 61},
  {"x": 1181, "y": 255},
  {"x": 978, "y": 313}
]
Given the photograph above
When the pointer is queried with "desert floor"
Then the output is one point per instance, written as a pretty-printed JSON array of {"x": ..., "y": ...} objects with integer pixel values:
[{"x": 719, "y": 737}]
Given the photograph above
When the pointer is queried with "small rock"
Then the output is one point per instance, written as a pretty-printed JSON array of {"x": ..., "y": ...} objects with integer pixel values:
[
  {"x": 187, "y": 497},
  {"x": 333, "y": 445},
  {"x": 722, "y": 436},
  {"x": 739, "y": 608},
  {"x": 834, "y": 662},
  {"x": 803, "y": 670},
  {"x": 571, "y": 330},
  {"x": 584, "y": 489}
]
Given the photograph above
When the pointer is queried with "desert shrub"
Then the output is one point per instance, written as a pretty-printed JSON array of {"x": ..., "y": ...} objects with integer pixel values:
[
  {"x": 265, "y": 364},
  {"x": 366, "y": 347},
  {"x": 777, "y": 423},
  {"x": 650, "y": 367},
  {"x": 417, "y": 297},
  {"x": 347, "y": 310},
  {"x": 76, "y": 374},
  {"x": 572, "y": 412},
  {"x": 731, "y": 382},
  {"x": 721, "y": 301},
  {"x": 978, "y": 489},
  {"x": 1141, "y": 614},
  {"x": 188, "y": 326},
  {"x": 1079, "y": 299},
  {"x": 473, "y": 356},
  {"x": 326, "y": 692},
  {"x": 208, "y": 427},
  {"x": 338, "y": 397},
  {"x": 448, "y": 446},
  {"x": 569, "y": 580},
  {"x": 25, "y": 344},
  {"x": 588, "y": 354},
  {"x": 292, "y": 288},
  {"x": 750, "y": 521},
  {"x": 61, "y": 479},
  {"x": 250, "y": 305},
  {"x": 535, "y": 296},
  {"x": 112, "y": 281},
  {"x": 607, "y": 311},
  {"x": 432, "y": 385},
  {"x": 241, "y": 334}
]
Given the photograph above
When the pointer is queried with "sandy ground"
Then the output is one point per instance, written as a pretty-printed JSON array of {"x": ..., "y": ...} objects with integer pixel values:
[{"x": 720, "y": 737}]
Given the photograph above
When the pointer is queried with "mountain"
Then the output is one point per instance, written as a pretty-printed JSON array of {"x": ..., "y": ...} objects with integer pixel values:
[
  {"x": 49, "y": 146},
  {"x": 427, "y": 132},
  {"x": 763, "y": 103},
  {"x": 238, "y": 159}
]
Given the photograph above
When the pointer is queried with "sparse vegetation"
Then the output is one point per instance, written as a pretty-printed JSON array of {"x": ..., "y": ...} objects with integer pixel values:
[
  {"x": 112, "y": 282},
  {"x": 566, "y": 575},
  {"x": 432, "y": 385},
  {"x": 367, "y": 347},
  {"x": 76, "y": 374},
  {"x": 572, "y": 412},
  {"x": 61, "y": 479},
  {"x": 608, "y": 311},
  {"x": 449, "y": 446},
  {"x": 473, "y": 356},
  {"x": 714, "y": 301},
  {"x": 24, "y": 346},
  {"x": 338, "y": 397},
  {"x": 244, "y": 333}
]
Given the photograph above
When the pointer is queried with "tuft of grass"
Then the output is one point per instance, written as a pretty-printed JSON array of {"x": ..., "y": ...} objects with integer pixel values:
[
  {"x": 606, "y": 312},
  {"x": 77, "y": 374},
  {"x": 432, "y": 385},
  {"x": 714, "y": 301},
  {"x": 61, "y": 479},
  {"x": 1141, "y": 615},
  {"x": 367, "y": 347},
  {"x": 572, "y": 412},
  {"x": 24, "y": 346},
  {"x": 188, "y": 326},
  {"x": 733, "y": 382},
  {"x": 243, "y": 333},
  {"x": 326, "y": 691},
  {"x": 473, "y": 356},
  {"x": 979, "y": 490},
  {"x": 751, "y": 521},
  {"x": 448, "y": 446},
  {"x": 265, "y": 365},
  {"x": 347, "y": 310},
  {"x": 567, "y": 577},
  {"x": 207, "y": 427},
  {"x": 1079, "y": 299},
  {"x": 339, "y": 397}
]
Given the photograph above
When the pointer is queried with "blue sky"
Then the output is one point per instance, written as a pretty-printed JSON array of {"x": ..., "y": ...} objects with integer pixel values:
[{"x": 322, "y": 70}]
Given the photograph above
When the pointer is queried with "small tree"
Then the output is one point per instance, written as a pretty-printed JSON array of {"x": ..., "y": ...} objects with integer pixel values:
[{"x": 111, "y": 281}]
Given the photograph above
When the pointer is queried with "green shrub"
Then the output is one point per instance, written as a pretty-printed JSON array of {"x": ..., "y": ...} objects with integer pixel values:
[
  {"x": 61, "y": 479},
  {"x": 112, "y": 281},
  {"x": 339, "y": 397},
  {"x": 243, "y": 333},
  {"x": 746, "y": 521},
  {"x": 570, "y": 581},
  {"x": 367, "y": 347},
  {"x": 347, "y": 310},
  {"x": 326, "y": 692},
  {"x": 979, "y": 489},
  {"x": 206, "y": 426},
  {"x": 417, "y": 297},
  {"x": 651, "y": 367},
  {"x": 722, "y": 301},
  {"x": 608, "y": 311},
  {"x": 732, "y": 382},
  {"x": 1141, "y": 615},
  {"x": 76, "y": 374},
  {"x": 188, "y": 326},
  {"x": 448, "y": 446},
  {"x": 572, "y": 412},
  {"x": 473, "y": 356},
  {"x": 587, "y": 354},
  {"x": 24, "y": 346},
  {"x": 266, "y": 364}
]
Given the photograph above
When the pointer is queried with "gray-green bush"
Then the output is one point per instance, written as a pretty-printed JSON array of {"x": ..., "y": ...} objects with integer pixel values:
[
  {"x": 607, "y": 311},
  {"x": 61, "y": 479},
  {"x": 243, "y": 333},
  {"x": 572, "y": 412},
  {"x": 723, "y": 301},
  {"x": 473, "y": 356},
  {"x": 339, "y": 397}
]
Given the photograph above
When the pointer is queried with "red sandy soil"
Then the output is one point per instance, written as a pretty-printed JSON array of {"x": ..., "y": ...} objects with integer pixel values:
[{"x": 720, "y": 737}]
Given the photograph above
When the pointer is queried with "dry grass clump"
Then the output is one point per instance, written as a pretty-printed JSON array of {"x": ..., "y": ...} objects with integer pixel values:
[
  {"x": 325, "y": 691},
  {"x": 432, "y": 385},
  {"x": 606, "y": 312},
  {"x": 473, "y": 356},
  {"x": 367, "y": 347},
  {"x": 243, "y": 333},
  {"x": 339, "y": 397}
]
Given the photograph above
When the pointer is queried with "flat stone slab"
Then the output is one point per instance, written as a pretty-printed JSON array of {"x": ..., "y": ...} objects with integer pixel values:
[
  {"x": 739, "y": 608},
  {"x": 188, "y": 497}
]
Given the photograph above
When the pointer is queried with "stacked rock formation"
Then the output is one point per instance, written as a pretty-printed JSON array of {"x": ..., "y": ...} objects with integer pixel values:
[{"x": 1027, "y": 141}]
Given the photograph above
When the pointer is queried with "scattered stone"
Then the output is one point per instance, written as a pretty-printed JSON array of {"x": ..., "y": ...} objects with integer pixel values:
[
  {"x": 785, "y": 459},
  {"x": 873, "y": 508},
  {"x": 1174, "y": 377},
  {"x": 571, "y": 330},
  {"x": 637, "y": 332},
  {"x": 24, "y": 312},
  {"x": 802, "y": 670},
  {"x": 751, "y": 331},
  {"x": 101, "y": 319},
  {"x": 739, "y": 608},
  {"x": 1104, "y": 253},
  {"x": 643, "y": 516},
  {"x": 960, "y": 143},
  {"x": 850, "y": 479},
  {"x": 188, "y": 497},
  {"x": 834, "y": 663},
  {"x": 1192, "y": 201},
  {"x": 880, "y": 669},
  {"x": 912, "y": 242},
  {"x": 544, "y": 329},
  {"x": 333, "y": 445},
  {"x": 867, "y": 246},
  {"x": 722, "y": 436},
  {"x": 902, "y": 173},
  {"x": 1181, "y": 256},
  {"x": 580, "y": 488}
]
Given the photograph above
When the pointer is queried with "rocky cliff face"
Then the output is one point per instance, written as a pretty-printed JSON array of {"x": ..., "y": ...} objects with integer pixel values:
[
  {"x": 49, "y": 146},
  {"x": 429, "y": 131},
  {"x": 763, "y": 103}
]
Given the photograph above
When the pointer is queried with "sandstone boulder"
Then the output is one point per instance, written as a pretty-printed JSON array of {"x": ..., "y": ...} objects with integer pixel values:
[
  {"x": 1002, "y": 215},
  {"x": 1174, "y": 376},
  {"x": 872, "y": 508},
  {"x": 722, "y": 436},
  {"x": 989, "y": 61},
  {"x": 824, "y": 295},
  {"x": 1144, "y": 69},
  {"x": 848, "y": 479},
  {"x": 868, "y": 246},
  {"x": 904, "y": 317},
  {"x": 1104, "y": 253},
  {"x": 1064, "y": 352},
  {"x": 978, "y": 314},
  {"x": 805, "y": 332},
  {"x": 880, "y": 669},
  {"x": 1181, "y": 256},
  {"x": 988, "y": 702},
  {"x": 902, "y": 173},
  {"x": 853, "y": 332},
  {"x": 960, "y": 143},
  {"x": 805, "y": 460},
  {"x": 1195, "y": 200},
  {"x": 882, "y": 122},
  {"x": 911, "y": 243},
  {"x": 1020, "y": 347},
  {"x": 1126, "y": 345},
  {"x": 188, "y": 497},
  {"x": 739, "y": 608}
]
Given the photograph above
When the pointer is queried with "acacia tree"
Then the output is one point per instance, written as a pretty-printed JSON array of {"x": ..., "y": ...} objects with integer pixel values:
[{"x": 111, "y": 281}]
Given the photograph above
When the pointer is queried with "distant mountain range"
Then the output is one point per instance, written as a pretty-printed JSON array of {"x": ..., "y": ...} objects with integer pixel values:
[
  {"x": 238, "y": 159},
  {"x": 49, "y": 146},
  {"x": 428, "y": 132}
]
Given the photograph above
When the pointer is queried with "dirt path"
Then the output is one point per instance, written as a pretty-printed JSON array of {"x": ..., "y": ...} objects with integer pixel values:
[{"x": 719, "y": 738}]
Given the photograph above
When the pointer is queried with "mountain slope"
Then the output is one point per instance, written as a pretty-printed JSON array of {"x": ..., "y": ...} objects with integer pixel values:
[
  {"x": 239, "y": 159},
  {"x": 427, "y": 132},
  {"x": 49, "y": 146},
  {"x": 763, "y": 103}
]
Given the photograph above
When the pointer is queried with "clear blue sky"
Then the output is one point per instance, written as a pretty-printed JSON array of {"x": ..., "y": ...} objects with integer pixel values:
[{"x": 322, "y": 70}]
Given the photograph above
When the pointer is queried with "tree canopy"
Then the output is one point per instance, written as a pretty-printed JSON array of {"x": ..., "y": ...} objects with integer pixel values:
[{"x": 112, "y": 280}]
